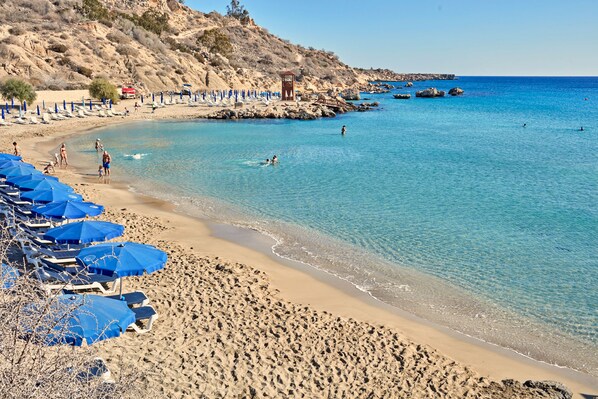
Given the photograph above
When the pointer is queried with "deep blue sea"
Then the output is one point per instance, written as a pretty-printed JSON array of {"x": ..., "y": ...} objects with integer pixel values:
[{"x": 448, "y": 208}]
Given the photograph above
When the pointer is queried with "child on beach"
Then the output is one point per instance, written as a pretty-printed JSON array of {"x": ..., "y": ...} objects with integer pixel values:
[
  {"x": 17, "y": 149},
  {"x": 100, "y": 172}
]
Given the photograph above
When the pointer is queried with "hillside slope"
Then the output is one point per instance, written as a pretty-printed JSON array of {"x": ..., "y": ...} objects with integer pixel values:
[{"x": 158, "y": 44}]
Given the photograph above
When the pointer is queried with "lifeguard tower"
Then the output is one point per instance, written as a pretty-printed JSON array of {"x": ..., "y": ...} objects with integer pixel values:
[{"x": 288, "y": 86}]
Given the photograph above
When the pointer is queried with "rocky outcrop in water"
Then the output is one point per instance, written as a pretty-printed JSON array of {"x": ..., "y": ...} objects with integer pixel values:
[
  {"x": 402, "y": 96},
  {"x": 351, "y": 95},
  {"x": 409, "y": 84},
  {"x": 301, "y": 112},
  {"x": 430, "y": 93},
  {"x": 456, "y": 91}
]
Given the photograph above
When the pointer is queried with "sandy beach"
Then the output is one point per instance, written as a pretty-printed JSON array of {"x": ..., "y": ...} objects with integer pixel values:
[{"x": 236, "y": 321}]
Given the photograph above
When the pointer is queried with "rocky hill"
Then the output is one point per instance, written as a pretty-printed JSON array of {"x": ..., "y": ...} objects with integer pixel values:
[{"x": 158, "y": 44}]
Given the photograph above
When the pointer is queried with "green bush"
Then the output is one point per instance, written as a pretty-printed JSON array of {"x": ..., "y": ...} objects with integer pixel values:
[
  {"x": 151, "y": 20},
  {"x": 216, "y": 42},
  {"x": 101, "y": 88},
  {"x": 19, "y": 89},
  {"x": 94, "y": 10}
]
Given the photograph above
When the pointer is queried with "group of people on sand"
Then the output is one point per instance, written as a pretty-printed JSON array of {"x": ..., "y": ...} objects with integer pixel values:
[{"x": 104, "y": 168}]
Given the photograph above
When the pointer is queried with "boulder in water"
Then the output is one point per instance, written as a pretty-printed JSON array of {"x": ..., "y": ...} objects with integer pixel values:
[
  {"x": 456, "y": 91},
  {"x": 430, "y": 93},
  {"x": 402, "y": 96}
]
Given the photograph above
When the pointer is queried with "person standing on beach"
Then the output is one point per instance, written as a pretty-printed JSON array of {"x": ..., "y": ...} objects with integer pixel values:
[
  {"x": 344, "y": 130},
  {"x": 153, "y": 107},
  {"x": 98, "y": 144},
  {"x": 17, "y": 149},
  {"x": 106, "y": 159},
  {"x": 63, "y": 156}
]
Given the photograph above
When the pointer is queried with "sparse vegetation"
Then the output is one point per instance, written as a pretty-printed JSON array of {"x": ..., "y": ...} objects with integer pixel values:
[
  {"x": 216, "y": 42},
  {"x": 58, "y": 48},
  {"x": 17, "y": 88},
  {"x": 101, "y": 88},
  {"x": 123, "y": 49},
  {"x": 236, "y": 10}
]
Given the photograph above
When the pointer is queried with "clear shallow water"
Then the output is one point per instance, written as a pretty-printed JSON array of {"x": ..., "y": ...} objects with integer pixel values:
[{"x": 447, "y": 208}]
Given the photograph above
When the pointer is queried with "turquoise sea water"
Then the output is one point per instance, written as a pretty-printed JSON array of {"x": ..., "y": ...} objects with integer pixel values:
[{"x": 448, "y": 208}]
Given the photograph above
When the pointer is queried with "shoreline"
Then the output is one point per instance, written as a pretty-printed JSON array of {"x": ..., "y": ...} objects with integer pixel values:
[{"x": 328, "y": 293}]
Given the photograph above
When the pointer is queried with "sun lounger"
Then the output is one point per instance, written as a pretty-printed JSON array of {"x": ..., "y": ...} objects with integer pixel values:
[
  {"x": 144, "y": 318},
  {"x": 58, "y": 281},
  {"x": 46, "y": 118},
  {"x": 133, "y": 299},
  {"x": 33, "y": 120},
  {"x": 21, "y": 121},
  {"x": 101, "y": 114},
  {"x": 97, "y": 369},
  {"x": 4, "y": 123}
]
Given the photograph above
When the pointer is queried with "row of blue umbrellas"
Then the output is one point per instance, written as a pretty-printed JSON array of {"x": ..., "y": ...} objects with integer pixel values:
[{"x": 93, "y": 318}]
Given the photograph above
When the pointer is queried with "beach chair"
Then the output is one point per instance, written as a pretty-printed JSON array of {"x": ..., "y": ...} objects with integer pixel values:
[
  {"x": 21, "y": 121},
  {"x": 97, "y": 369},
  {"x": 33, "y": 120},
  {"x": 4, "y": 123},
  {"x": 133, "y": 299},
  {"x": 144, "y": 318},
  {"x": 46, "y": 118},
  {"x": 53, "y": 281},
  {"x": 68, "y": 114},
  {"x": 101, "y": 114}
]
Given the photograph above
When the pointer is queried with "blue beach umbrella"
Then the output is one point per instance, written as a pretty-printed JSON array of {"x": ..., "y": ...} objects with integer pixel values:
[
  {"x": 34, "y": 175},
  {"x": 68, "y": 209},
  {"x": 90, "y": 106},
  {"x": 4, "y": 156},
  {"x": 161, "y": 97},
  {"x": 72, "y": 106},
  {"x": 6, "y": 107},
  {"x": 153, "y": 97},
  {"x": 142, "y": 99},
  {"x": 55, "y": 107},
  {"x": 52, "y": 195},
  {"x": 43, "y": 104},
  {"x": 3, "y": 113},
  {"x": 12, "y": 103},
  {"x": 122, "y": 259},
  {"x": 64, "y": 104},
  {"x": 84, "y": 232},
  {"x": 19, "y": 170},
  {"x": 24, "y": 105},
  {"x": 110, "y": 103},
  {"x": 38, "y": 113},
  {"x": 9, "y": 276},
  {"x": 78, "y": 319},
  {"x": 44, "y": 184},
  {"x": 6, "y": 163}
]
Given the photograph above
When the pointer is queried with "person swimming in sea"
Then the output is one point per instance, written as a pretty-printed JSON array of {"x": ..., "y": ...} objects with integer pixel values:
[
  {"x": 525, "y": 125},
  {"x": 274, "y": 159},
  {"x": 581, "y": 129},
  {"x": 344, "y": 130}
]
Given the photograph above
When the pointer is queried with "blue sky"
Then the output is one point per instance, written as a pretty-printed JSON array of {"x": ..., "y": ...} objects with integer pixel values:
[{"x": 465, "y": 37}]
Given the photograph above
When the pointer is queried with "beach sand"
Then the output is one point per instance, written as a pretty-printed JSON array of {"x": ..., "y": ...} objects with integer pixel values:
[{"x": 238, "y": 322}]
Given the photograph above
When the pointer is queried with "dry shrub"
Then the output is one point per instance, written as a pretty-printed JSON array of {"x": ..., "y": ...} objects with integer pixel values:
[
  {"x": 58, "y": 48},
  {"x": 117, "y": 36},
  {"x": 31, "y": 369},
  {"x": 127, "y": 50},
  {"x": 16, "y": 30}
]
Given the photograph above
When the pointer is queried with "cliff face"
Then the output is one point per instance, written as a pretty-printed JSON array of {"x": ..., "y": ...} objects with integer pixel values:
[{"x": 157, "y": 44}]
